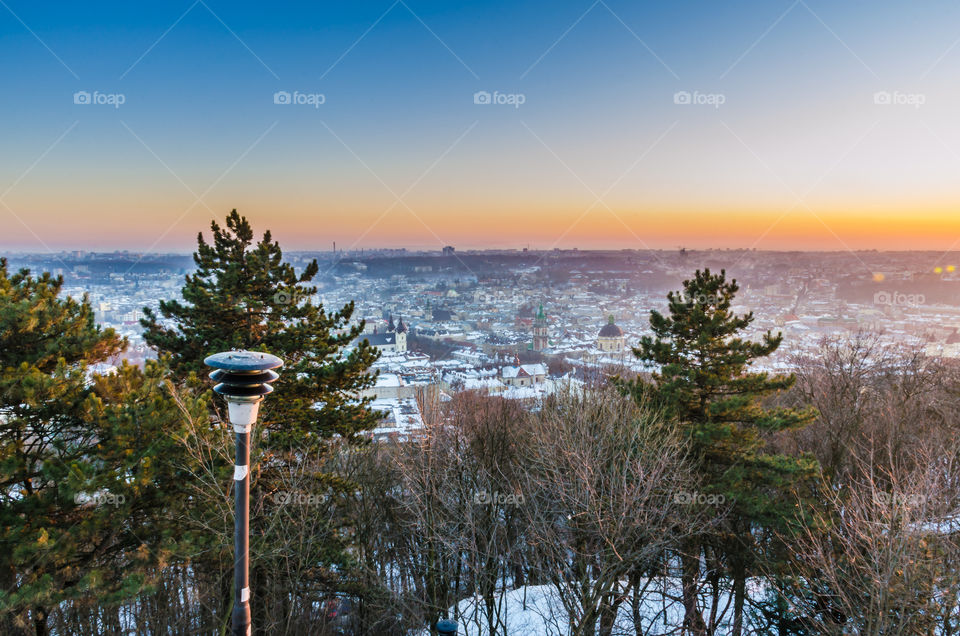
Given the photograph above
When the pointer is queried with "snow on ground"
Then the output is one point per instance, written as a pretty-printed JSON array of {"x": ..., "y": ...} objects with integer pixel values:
[{"x": 536, "y": 610}]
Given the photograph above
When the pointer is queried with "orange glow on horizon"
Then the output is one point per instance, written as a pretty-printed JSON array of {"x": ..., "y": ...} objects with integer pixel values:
[{"x": 152, "y": 224}]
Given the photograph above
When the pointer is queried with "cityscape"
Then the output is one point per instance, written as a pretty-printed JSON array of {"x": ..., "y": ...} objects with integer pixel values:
[
  {"x": 430, "y": 318},
  {"x": 519, "y": 323}
]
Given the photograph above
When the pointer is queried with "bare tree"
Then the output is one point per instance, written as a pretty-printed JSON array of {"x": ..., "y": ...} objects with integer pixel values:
[
  {"x": 458, "y": 530},
  {"x": 880, "y": 558},
  {"x": 876, "y": 556},
  {"x": 601, "y": 502}
]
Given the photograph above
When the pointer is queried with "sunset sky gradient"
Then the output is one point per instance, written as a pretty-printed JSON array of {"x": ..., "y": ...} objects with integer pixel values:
[{"x": 799, "y": 155}]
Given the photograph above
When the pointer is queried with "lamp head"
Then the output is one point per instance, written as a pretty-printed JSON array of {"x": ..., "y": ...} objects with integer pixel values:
[
  {"x": 446, "y": 627},
  {"x": 243, "y": 378}
]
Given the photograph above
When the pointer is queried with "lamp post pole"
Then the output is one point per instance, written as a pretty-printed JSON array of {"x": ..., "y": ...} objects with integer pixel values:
[{"x": 243, "y": 379}]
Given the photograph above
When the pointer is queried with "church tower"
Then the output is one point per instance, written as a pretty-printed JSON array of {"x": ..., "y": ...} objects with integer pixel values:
[
  {"x": 540, "y": 336},
  {"x": 401, "y": 335}
]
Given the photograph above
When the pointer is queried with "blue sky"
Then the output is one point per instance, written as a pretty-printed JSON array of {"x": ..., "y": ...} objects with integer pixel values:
[{"x": 598, "y": 81}]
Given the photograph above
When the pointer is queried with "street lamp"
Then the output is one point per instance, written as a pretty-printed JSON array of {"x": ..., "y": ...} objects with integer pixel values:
[{"x": 243, "y": 379}]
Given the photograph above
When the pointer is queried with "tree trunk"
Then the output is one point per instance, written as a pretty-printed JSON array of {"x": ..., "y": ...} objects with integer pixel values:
[
  {"x": 608, "y": 614},
  {"x": 689, "y": 574},
  {"x": 40, "y": 621},
  {"x": 739, "y": 594},
  {"x": 7, "y": 584}
]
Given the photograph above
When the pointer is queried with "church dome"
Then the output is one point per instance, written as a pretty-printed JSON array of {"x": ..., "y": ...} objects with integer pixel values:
[{"x": 611, "y": 330}]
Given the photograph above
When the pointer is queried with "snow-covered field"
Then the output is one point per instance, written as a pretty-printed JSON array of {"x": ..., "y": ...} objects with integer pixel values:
[{"x": 537, "y": 610}]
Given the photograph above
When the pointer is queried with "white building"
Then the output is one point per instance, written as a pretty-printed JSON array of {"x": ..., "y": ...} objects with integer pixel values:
[
  {"x": 391, "y": 341},
  {"x": 524, "y": 375}
]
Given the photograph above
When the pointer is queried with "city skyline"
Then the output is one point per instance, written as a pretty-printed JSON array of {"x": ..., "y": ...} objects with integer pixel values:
[{"x": 777, "y": 126}]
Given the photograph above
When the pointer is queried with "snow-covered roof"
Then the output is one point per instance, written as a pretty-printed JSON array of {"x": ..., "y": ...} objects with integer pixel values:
[
  {"x": 388, "y": 380},
  {"x": 402, "y": 417},
  {"x": 524, "y": 370}
]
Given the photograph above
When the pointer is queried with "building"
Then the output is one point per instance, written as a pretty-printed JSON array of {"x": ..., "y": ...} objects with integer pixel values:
[
  {"x": 524, "y": 375},
  {"x": 385, "y": 342},
  {"x": 394, "y": 340},
  {"x": 610, "y": 339},
  {"x": 540, "y": 333},
  {"x": 402, "y": 419},
  {"x": 401, "y": 337}
]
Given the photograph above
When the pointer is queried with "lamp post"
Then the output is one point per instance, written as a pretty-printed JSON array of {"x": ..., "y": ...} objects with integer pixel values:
[{"x": 243, "y": 379}]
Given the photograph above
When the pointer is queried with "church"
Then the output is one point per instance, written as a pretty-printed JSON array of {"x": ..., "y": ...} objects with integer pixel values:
[
  {"x": 610, "y": 339},
  {"x": 393, "y": 340}
]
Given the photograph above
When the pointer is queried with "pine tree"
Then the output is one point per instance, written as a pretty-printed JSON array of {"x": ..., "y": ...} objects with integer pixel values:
[
  {"x": 702, "y": 378},
  {"x": 65, "y": 534},
  {"x": 244, "y": 296}
]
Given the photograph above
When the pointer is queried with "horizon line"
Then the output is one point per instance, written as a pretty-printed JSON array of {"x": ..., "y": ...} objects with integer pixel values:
[{"x": 529, "y": 250}]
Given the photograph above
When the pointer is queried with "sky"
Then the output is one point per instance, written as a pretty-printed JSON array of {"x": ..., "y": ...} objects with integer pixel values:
[{"x": 767, "y": 124}]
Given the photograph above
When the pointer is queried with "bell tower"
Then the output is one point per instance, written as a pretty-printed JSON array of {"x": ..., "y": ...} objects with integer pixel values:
[{"x": 540, "y": 334}]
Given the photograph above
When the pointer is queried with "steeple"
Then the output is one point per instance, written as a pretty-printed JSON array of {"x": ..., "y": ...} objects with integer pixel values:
[{"x": 540, "y": 331}]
